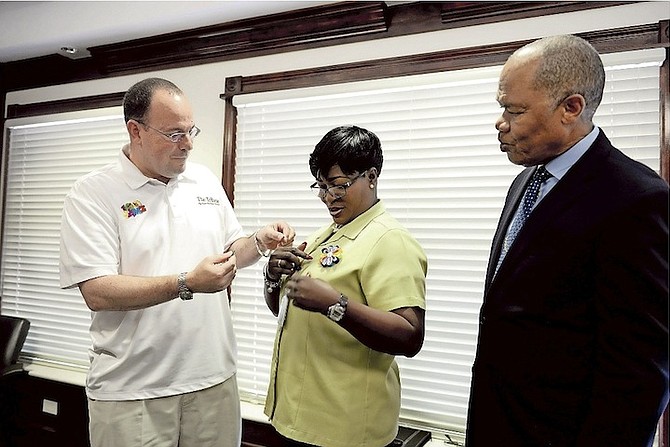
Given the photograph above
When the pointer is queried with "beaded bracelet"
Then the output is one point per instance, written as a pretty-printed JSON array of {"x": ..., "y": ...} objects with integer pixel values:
[
  {"x": 270, "y": 285},
  {"x": 265, "y": 253}
]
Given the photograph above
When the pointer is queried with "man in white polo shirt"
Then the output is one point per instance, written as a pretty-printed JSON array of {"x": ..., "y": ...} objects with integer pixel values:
[{"x": 152, "y": 243}]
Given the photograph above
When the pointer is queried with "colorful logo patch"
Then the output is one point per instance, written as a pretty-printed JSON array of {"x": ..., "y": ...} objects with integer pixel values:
[
  {"x": 132, "y": 209},
  {"x": 330, "y": 255}
]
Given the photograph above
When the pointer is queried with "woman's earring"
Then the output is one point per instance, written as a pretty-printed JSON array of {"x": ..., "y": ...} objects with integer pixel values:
[{"x": 372, "y": 186}]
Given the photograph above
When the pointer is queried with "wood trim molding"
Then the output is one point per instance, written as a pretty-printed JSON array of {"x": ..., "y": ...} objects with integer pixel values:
[
  {"x": 324, "y": 23},
  {"x": 229, "y": 149},
  {"x": 318, "y": 26},
  {"x": 458, "y": 14},
  {"x": 333, "y": 24},
  {"x": 605, "y": 41},
  {"x": 663, "y": 428},
  {"x": 64, "y": 105},
  {"x": 339, "y": 22},
  {"x": 664, "y": 36}
]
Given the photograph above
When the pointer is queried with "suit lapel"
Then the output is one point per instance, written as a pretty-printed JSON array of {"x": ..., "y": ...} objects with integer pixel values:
[
  {"x": 511, "y": 203},
  {"x": 567, "y": 191}
]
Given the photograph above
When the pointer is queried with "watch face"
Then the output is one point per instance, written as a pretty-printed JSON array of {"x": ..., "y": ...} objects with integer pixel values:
[
  {"x": 185, "y": 294},
  {"x": 336, "y": 312}
]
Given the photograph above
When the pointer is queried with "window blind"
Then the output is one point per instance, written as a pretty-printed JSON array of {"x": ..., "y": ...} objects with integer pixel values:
[
  {"x": 44, "y": 161},
  {"x": 443, "y": 177}
]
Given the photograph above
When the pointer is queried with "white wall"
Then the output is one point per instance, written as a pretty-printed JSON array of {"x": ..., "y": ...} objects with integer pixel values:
[{"x": 204, "y": 83}]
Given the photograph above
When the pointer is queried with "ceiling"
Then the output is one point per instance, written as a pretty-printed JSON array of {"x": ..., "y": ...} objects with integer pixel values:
[{"x": 31, "y": 29}]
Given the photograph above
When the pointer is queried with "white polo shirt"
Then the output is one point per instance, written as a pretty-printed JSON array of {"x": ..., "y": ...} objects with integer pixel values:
[{"x": 117, "y": 221}]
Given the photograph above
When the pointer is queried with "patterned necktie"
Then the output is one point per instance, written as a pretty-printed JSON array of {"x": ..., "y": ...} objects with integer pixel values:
[{"x": 529, "y": 198}]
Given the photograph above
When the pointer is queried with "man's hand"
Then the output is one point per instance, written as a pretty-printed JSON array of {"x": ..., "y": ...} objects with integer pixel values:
[
  {"x": 213, "y": 274},
  {"x": 275, "y": 235}
]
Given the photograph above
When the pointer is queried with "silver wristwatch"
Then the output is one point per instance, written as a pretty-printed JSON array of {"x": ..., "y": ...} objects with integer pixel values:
[
  {"x": 336, "y": 311},
  {"x": 184, "y": 292}
]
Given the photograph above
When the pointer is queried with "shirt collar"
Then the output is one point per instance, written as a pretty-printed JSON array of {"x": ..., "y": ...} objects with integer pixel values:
[
  {"x": 561, "y": 164},
  {"x": 135, "y": 178},
  {"x": 353, "y": 228}
]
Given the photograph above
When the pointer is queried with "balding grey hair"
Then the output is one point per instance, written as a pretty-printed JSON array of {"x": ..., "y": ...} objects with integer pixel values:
[{"x": 568, "y": 65}]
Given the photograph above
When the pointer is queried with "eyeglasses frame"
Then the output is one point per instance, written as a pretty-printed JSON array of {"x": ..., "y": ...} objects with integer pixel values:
[
  {"x": 192, "y": 133},
  {"x": 321, "y": 193}
]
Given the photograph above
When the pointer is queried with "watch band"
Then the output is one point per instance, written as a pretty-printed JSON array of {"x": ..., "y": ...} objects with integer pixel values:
[{"x": 184, "y": 292}]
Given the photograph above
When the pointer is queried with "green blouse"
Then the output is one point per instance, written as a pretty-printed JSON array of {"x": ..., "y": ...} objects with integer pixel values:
[{"x": 326, "y": 387}]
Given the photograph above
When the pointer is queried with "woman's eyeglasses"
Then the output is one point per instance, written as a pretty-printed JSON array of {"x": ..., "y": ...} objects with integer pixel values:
[{"x": 335, "y": 191}]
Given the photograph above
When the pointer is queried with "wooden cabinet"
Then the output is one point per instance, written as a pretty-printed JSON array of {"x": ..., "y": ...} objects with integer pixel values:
[{"x": 40, "y": 412}]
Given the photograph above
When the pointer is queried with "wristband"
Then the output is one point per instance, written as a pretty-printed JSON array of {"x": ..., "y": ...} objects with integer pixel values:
[
  {"x": 269, "y": 284},
  {"x": 265, "y": 253}
]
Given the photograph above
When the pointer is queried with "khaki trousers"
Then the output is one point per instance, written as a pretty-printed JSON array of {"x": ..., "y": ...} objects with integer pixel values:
[{"x": 205, "y": 418}]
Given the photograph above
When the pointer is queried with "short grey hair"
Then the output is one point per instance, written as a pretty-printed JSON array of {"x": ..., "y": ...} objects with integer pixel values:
[
  {"x": 137, "y": 99},
  {"x": 568, "y": 65}
]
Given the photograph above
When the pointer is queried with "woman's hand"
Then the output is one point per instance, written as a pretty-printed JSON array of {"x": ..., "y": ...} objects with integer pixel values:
[
  {"x": 400, "y": 331},
  {"x": 311, "y": 294},
  {"x": 286, "y": 261}
]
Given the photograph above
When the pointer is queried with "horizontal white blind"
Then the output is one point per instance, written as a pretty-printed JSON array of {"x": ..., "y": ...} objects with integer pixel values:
[
  {"x": 44, "y": 161},
  {"x": 630, "y": 110},
  {"x": 443, "y": 177}
]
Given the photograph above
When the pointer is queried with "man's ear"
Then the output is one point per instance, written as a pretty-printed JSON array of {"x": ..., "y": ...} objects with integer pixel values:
[
  {"x": 573, "y": 107},
  {"x": 133, "y": 128}
]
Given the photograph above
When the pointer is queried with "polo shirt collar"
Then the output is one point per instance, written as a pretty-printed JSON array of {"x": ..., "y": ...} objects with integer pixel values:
[
  {"x": 352, "y": 229},
  {"x": 135, "y": 178}
]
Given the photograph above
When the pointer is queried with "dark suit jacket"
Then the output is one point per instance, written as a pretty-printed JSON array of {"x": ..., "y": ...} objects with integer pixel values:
[{"x": 573, "y": 336}]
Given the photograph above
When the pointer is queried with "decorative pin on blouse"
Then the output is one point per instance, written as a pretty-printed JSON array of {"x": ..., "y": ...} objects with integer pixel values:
[{"x": 331, "y": 255}]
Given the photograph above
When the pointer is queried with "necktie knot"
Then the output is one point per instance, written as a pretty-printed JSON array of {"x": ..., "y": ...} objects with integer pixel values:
[
  {"x": 541, "y": 174},
  {"x": 533, "y": 190}
]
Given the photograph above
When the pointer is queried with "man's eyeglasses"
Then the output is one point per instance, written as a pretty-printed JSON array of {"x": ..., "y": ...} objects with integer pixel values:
[
  {"x": 175, "y": 137},
  {"x": 336, "y": 191}
]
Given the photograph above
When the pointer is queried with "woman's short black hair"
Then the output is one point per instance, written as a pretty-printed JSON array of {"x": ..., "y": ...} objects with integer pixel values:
[{"x": 352, "y": 148}]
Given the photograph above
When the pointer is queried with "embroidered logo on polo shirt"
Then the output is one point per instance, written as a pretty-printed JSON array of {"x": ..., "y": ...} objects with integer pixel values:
[
  {"x": 132, "y": 209},
  {"x": 331, "y": 255},
  {"x": 208, "y": 201}
]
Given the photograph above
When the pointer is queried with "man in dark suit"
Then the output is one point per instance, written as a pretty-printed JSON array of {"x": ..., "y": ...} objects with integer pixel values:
[{"x": 573, "y": 337}]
